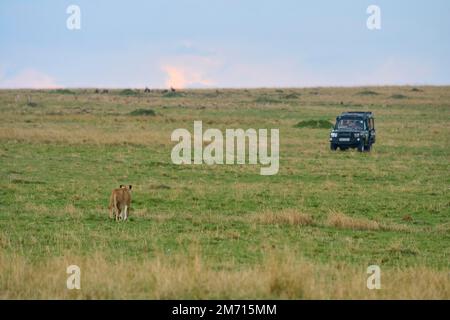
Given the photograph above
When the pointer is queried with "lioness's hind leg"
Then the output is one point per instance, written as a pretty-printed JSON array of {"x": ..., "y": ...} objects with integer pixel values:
[{"x": 125, "y": 214}]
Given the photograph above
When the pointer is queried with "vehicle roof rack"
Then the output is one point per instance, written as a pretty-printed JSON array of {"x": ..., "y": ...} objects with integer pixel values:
[
  {"x": 359, "y": 113},
  {"x": 363, "y": 112}
]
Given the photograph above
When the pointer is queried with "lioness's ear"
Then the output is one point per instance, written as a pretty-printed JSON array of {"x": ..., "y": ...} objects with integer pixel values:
[
  {"x": 130, "y": 186},
  {"x": 121, "y": 186}
]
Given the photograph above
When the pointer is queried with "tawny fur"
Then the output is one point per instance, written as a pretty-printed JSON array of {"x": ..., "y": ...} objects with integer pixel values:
[{"x": 119, "y": 203}]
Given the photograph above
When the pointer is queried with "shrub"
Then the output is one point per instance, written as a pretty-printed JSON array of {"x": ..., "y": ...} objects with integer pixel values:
[
  {"x": 367, "y": 93},
  {"x": 398, "y": 96},
  {"x": 291, "y": 96},
  {"x": 32, "y": 104},
  {"x": 128, "y": 92},
  {"x": 62, "y": 91},
  {"x": 266, "y": 99},
  {"x": 314, "y": 124},
  {"x": 172, "y": 94},
  {"x": 143, "y": 112}
]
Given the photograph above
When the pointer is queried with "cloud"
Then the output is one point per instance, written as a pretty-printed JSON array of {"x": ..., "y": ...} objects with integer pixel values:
[
  {"x": 297, "y": 73},
  {"x": 28, "y": 79},
  {"x": 398, "y": 71},
  {"x": 187, "y": 47},
  {"x": 191, "y": 66},
  {"x": 189, "y": 71},
  {"x": 182, "y": 77},
  {"x": 256, "y": 74}
]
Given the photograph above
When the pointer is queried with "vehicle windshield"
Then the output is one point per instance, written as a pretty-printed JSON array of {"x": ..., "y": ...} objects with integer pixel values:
[{"x": 350, "y": 124}]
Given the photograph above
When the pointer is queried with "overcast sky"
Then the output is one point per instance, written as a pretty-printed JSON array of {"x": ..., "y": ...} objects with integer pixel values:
[{"x": 209, "y": 43}]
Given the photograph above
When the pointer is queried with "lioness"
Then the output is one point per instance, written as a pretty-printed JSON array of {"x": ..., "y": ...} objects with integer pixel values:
[{"x": 119, "y": 202}]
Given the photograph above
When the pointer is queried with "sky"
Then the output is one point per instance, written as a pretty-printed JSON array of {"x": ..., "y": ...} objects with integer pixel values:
[{"x": 223, "y": 43}]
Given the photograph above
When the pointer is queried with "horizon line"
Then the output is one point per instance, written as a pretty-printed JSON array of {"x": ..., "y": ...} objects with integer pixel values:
[{"x": 223, "y": 88}]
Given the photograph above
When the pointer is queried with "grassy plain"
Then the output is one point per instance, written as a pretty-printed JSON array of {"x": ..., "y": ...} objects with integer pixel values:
[{"x": 223, "y": 231}]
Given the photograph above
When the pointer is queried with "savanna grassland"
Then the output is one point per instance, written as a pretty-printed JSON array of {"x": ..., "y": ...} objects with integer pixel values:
[{"x": 223, "y": 231}]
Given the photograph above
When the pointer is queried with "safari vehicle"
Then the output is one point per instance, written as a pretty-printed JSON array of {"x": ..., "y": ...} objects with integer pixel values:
[{"x": 354, "y": 129}]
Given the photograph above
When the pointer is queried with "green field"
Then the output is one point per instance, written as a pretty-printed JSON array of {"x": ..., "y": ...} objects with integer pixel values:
[{"x": 223, "y": 231}]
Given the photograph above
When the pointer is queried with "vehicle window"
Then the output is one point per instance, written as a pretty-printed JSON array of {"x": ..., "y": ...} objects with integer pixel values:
[
  {"x": 371, "y": 126},
  {"x": 351, "y": 124}
]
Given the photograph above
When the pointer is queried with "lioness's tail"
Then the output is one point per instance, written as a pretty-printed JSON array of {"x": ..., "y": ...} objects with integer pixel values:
[
  {"x": 112, "y": 201},
  {"x": 115, "y": 200}
]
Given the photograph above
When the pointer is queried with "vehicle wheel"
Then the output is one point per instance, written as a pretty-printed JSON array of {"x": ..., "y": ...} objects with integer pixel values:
[
  {"x": 368, "y": 147},
  {"x": 333, "y": 147},
  {"x": 361, "y": 147}
]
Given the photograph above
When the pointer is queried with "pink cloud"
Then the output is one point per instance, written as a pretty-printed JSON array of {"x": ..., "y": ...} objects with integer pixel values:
[
  {"x": 189, "y": 71},
  {"x": 182, "y": 77},
  {"x": 29, "y": 79}
]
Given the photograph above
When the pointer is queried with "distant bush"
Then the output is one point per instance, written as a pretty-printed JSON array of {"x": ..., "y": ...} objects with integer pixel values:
[
  {"x": 172, "y": 94},
  {"x": 62, "y": 91},
  {"x": 291, "y": 96},
  {"x": 32, "y": 104},
  {"x": 143, "y": 112},
  {"x": 416, "y": 90},
  {"x": 128, "y": 92},
  {"x": 367, "y": 93},
  {"x": 314, "y": 124},
  {"x": 398, "y": 96},
  {"x": 266, "y": 99}
]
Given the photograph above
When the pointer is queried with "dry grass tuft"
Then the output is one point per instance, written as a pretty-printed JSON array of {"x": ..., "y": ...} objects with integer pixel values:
[
  {"x": 188, "y": 276},
  {"x": 340, "y": 220},
  {"x": 407, "y": 217}
]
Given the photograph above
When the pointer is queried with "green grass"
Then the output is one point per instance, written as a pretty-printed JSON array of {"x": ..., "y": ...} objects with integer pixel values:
[{"x": 59, "y": 167}]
